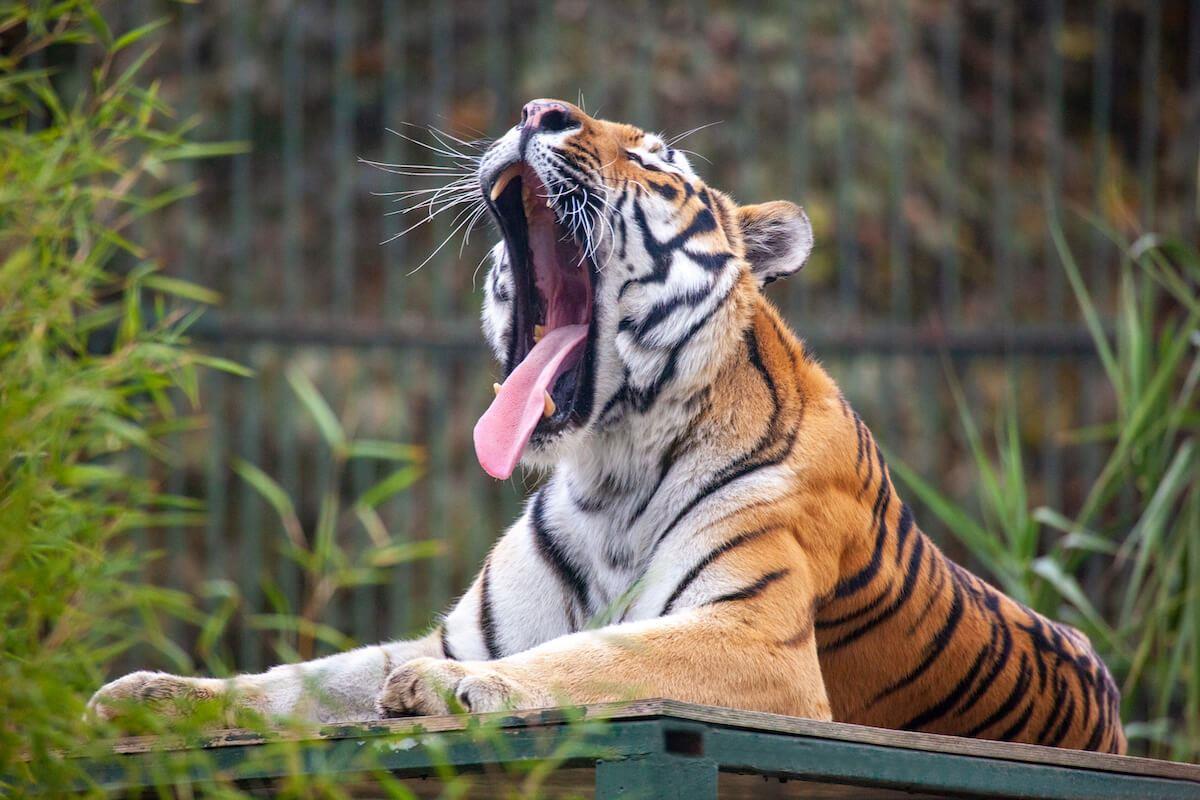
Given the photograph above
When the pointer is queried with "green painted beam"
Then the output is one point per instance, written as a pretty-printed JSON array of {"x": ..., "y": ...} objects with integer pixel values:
[{"x": 653, "y": 749}]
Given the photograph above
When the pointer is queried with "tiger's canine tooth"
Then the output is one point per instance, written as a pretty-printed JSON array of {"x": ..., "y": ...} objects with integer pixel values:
[
  {"x": 504, "y": 178},
  {"x": 538, "y": 332},
  {"x": 496, "y": 389},
  {"x": 548, "y": 405}
]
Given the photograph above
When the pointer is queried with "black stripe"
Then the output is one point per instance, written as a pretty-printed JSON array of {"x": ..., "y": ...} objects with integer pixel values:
[
  {"x": 1086, "y": 692},
  {"x": 998, "y": 664},
  {"x": 943, "y": 706},
  {"x": 1061, "y": 732},
  {"x": 677, "y": 447},
  {"x": 866, "y": 484},
  {"x": 1097, "y": 731},
  {"x": 1020, "y": 686},
  {"x": 487, "y": 623},
  {"x": 665, "y": 190},
  {"x": 801, "y": 636},
  {"x": 1017, "y": 727},
  {"x": 660, "y": 312},
  {"x": 933, "y": 593},
  {"x": 445, "y": 641},
  {"x": 643, "y": 399},
  {"x": 862, "y": 448},
  {"x": 752, "y": 461},
  {"x": 637, "y": 159},
  {"x": 753, "y": 590},
  {"x": 864, "y": 576},
  {"x": 1057, "y": 707},
  {"x": 903, "y": 527},
  {"x": 906, "y": 589},
  {"x": 862, "y": 611},
  {"x": 782, "y": 339},
  {"x": 713, "y": 555},
  {"x": 936, "y": 646},
  {"x": 553, "y": 554},
  {"x": 661, "y": 253}
]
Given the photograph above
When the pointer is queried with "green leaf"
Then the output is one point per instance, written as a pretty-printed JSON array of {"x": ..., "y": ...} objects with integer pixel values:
[
  {"x": 181, "y": 288},
  {"x": 138, "y": 33},
  {"x": 97, "y": 23},
  {"x": 266, "y": 486},
  {"x": 405, "y": 552},
  {"x": 222, "y": 365},
  {"x": 327, "y": 422},
  {"x": 384, "y": 450},
  {"x": 1049, "y": 569},
  {"x": 394, "y": 483}
]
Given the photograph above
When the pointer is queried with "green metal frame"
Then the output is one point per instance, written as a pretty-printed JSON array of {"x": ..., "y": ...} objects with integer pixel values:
[{"x": 664, "y": 751}]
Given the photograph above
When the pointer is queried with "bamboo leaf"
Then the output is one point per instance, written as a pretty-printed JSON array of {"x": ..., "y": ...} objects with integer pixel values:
[{"x": 319, "y": 410}]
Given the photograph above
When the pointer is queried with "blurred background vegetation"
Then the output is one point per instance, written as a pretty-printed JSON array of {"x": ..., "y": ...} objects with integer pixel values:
[{"x": 1005, "y": 204}]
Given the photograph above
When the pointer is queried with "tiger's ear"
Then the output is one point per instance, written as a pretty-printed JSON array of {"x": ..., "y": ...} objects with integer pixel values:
[{"x": 777, "y": 238}]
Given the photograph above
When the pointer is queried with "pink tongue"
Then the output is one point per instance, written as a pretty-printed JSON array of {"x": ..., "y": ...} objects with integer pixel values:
[{"x": 504, "y": 429}]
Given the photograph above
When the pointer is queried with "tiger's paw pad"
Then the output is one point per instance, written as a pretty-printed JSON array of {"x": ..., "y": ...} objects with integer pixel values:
[{"x": 434, "y": 686}]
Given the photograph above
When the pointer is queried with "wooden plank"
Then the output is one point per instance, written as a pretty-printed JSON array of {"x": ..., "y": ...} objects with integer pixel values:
[
  {"x": 726, "y": 717},
  {"x": 912, "y": 740}
]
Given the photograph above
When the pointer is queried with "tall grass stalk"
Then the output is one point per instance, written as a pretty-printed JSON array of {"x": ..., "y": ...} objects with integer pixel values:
[{"x": 1143, "y": 612}]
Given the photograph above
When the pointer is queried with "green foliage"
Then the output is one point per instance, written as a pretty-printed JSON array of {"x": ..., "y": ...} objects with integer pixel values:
[
  {"x": 93, "y": 372},
  {"x": 327, "y": 566},
  {"x": 1145, "y": 616}
]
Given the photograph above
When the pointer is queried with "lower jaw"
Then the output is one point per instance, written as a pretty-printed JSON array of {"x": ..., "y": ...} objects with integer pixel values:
[{"x": 575, "y": 383}]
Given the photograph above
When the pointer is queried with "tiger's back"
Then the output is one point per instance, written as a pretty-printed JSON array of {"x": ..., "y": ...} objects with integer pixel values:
[{"x": 907, "y": 638}]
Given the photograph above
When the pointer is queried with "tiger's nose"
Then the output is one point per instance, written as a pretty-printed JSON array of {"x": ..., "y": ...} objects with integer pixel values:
[{"x": 546, "y": 115}]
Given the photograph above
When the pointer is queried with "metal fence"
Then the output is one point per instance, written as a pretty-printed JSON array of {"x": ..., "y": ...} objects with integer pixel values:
[{"x": 931, "y": 143}]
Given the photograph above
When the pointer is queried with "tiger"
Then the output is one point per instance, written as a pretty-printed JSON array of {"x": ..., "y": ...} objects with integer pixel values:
[{"x": 715, "y": 524}]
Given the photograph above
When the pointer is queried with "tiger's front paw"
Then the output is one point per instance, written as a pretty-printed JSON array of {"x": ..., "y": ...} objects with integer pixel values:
[
  {"x": 433, "y": 686},
  {"x": 159, "y": 692}
]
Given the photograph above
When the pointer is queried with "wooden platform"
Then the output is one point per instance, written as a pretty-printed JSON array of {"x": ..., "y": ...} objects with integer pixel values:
[{"x": 653, "y": 749}]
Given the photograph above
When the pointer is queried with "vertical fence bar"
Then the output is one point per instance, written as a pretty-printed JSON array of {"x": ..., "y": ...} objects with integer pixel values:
[
  {"x": 1148, "y": 132},
  {"x": 177, "y": 535},
  {"x": 749, "y": 186},
  {"x": 847, "y": 235},
  {"x": 294, "y": 275},
  {"x": 248, "y": 534},
  {"x": 440, "y": 88},
  {"x": 294, "y": 288},
  {"x": 900, "y": 305},
  {"x": 1101, "y": 248},
  {"x": 948, "y": 57},
  {"x": 215, "y": 485},
  {"x": 546, "y": 55},
  {"x": 641, "y": 108},
  {"x": 901, "y": 279},
  {"x": 1101, "y": 122},
  {"x": 1050, "y": 384},
  {"x": 343, "y": 152},
  {"x": 798, "y": 143},
  {"x": 499, "y": 77},
  {"x": 1007, "y": 258},
  {"x": 1190, "y": 223},
  {"x": 401, "y": 600},
  {"x": 358, "y": 602},
  {"x": 1002, "y": 157}
]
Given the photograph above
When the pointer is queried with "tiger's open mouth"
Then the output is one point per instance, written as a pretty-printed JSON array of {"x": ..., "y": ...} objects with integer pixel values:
[{"x": 548, "y": 382}]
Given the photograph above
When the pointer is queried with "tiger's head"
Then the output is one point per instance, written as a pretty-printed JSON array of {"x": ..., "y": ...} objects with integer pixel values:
[{"x": 622, "y": 280}]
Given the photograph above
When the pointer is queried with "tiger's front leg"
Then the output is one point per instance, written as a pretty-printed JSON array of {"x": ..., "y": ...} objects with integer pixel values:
[
  {"x": 752, "y": 648},
  {"x": 515, "y": 586}
]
